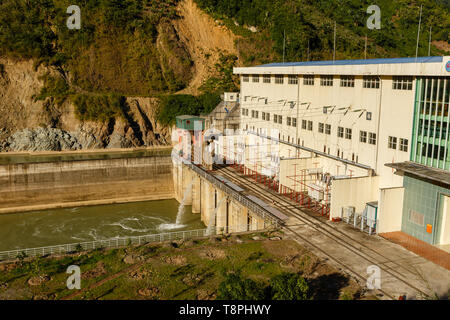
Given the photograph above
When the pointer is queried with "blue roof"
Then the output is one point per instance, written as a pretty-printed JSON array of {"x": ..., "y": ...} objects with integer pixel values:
[{"x": 356, "y": 62}]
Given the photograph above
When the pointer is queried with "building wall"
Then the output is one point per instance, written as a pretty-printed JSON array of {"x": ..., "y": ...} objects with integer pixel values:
[
  {"x": 422, "y": 199},
  {"x": 385, "y": 104},
  {"x": 390, "y": 210},
  {"x": 353, "y": 192}
]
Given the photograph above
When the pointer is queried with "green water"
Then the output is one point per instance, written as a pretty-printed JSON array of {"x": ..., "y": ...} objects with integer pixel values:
[{"x": 74, "y": 225}]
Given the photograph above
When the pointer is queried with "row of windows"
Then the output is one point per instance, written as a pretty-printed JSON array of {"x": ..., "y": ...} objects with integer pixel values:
[
  {"x": 403, "y": 144},
  {"x": 368, "y": 137},
  {"x": 370, "y": 82}
]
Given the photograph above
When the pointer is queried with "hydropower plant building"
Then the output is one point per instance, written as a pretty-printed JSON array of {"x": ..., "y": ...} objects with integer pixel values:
[{"x": 366, "y": 139}]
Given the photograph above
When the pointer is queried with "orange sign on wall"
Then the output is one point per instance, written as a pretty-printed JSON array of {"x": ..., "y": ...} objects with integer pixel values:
[{"x": 429, "y": 228}]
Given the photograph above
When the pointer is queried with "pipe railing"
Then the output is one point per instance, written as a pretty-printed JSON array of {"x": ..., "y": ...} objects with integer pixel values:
[{"x": 127, "y": 241}]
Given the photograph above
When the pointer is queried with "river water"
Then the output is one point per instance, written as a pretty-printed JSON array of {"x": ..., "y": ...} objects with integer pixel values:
[{"x": 74, "y": 225}]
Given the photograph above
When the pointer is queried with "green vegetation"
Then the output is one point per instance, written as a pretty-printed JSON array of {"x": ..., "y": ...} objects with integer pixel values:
[
  {"x": 289, "y": 286},
  {"x": 114, "y": 51},
  {"x": 171, "y": 106},
  {"x": 189, "y": 270},
  {"x": 235, "y": 287},
  {"x": 312, "y": 21},
  {"x": 101, "y": 108}
]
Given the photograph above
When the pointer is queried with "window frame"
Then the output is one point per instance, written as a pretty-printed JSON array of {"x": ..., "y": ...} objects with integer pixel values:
[
  {"x": 371, "y": 82},
  {"x": 326, "y": 80},
  {"x": 347, "y": 81},
  {"x": 308, "y": 80}
]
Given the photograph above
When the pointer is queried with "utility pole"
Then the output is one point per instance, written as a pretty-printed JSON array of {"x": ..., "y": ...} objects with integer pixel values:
[
  {"x": 284, "y": 44},
  {"x": 418, "y": 32}
]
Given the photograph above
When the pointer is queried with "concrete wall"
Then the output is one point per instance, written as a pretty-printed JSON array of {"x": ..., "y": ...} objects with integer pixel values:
[
  {"x": 354, "y": 192},
  {"x": 52, "y": 184},
  {"x": 390, "y": 210}
]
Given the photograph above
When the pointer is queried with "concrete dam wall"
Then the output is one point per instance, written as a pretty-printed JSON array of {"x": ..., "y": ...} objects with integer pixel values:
[{"x": 43, "y": 182}]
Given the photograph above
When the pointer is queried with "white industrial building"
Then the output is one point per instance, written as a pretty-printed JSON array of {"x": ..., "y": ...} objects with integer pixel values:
[{"x": 341, "y": 123}]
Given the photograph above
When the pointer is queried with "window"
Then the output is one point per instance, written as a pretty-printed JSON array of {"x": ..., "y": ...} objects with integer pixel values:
[
  {"x": 245, "y": 78},
  {"x": 348, "y": 133},
  {"x": 371, "y": 82},
  {"x": 308, "y": 80},
  {"x": 267, "y": 116},
  {"x": 328, "y": 129},
  {"x": 266, "y": 78},
  {"x": 404, "y": 145},
  {"x": 263, "y": 116},
  {"x": 243, "y": 112},
  {"x": 392, "y": 144},
  {"x": 253, "y": 113},
  {"x": 304, "y": 124},
  {"x": 310, "y": 125},
  {"x": 293, "y": 79},
  {"x": 275, "y": 118},
  {"x": 256, "y": 114},
  {"x": 279, "y": 79},
  {"x": 288, "y": 121},
  {"x": 321, "y": 127},
  {"x": 347, "y": 81},
  {"x": 402, "y": 83},
  {"x": 294, "y": 122},
  {"x": 280, "y": 119},
  {"x": 372, "y": 138},
  {"x": 363, "y": 136},
  {"x": 340, "y": 132},
  {"x": 326, "y": 81},
  {"x": 255, "y": 78}
]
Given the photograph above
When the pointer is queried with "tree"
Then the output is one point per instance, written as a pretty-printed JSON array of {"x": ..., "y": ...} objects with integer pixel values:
[
  {"x": 289, "y": 286},
  {"x": 235, "y": 287}
]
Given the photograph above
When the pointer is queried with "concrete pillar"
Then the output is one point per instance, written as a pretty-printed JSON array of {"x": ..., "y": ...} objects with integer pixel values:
[
  {"x": 221, "y": 218},
  {"x": 196, "y": 194},
  {"x": 207, "y": 201}
]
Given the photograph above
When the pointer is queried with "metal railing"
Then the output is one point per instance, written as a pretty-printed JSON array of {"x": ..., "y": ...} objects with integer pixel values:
[
  {"x": 126, "y": 241},
  {"x": 252, "y": 206}
]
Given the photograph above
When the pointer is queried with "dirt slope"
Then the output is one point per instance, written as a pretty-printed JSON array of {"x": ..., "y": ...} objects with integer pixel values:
[{"x": 204, "y": 39}]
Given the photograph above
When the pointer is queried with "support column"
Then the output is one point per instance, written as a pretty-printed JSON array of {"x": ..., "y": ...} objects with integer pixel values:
[{"x": 196, "y": 194}]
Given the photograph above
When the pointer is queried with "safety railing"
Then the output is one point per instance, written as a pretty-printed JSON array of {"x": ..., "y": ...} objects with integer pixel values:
[
  {"x": 252, "y": 206},
  {"x": 129, "y": 241}
]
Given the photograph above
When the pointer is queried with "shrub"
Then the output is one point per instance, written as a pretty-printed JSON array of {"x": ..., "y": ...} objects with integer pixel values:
[
  {"x": 289, "y": 286},
  {"x": 235, "y": 287}
]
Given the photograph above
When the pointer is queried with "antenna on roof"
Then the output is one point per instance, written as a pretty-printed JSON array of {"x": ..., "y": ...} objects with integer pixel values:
[
  {"x": 429, "y": 44},
  {"x": 365, "y": 48},
  {"x": 308, "y": 49},
  {"x": 418, "y": 31},
  {"x": 334, "y": 43}
]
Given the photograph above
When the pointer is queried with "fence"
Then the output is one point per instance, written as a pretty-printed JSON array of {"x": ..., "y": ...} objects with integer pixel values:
[{"x": 126, "y": 241}]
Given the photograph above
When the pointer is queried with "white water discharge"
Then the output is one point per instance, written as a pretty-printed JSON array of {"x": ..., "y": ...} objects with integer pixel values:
[
  {"x": 212, "y": 219},
  {"x": 180, "y": 214}
]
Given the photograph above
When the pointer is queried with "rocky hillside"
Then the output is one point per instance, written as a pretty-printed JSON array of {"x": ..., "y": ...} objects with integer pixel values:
[{"x": 106, "y": 96}]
